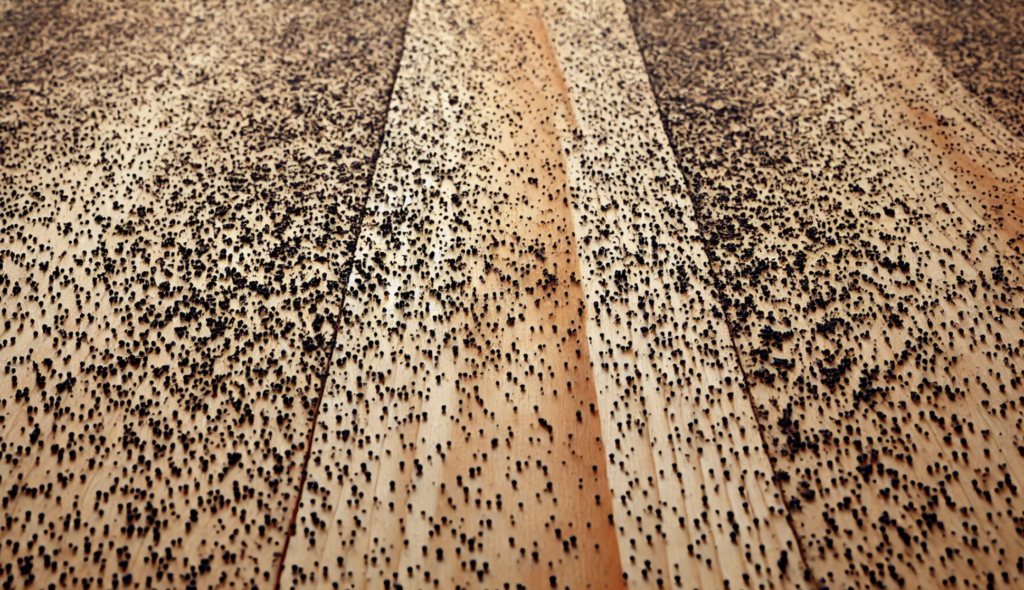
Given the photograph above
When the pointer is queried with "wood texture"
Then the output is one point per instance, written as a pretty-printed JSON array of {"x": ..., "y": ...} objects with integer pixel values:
[
  {"x": 178, "y": 184},
  {"x": 511, "y": 294},
  {"x": 448, "y": 424},
  {"x": 862, "y": 213},
  {"x": 497, "y": 410},
  {"x": 978, "y": 44},
  {"x": 668, "y": 381}
]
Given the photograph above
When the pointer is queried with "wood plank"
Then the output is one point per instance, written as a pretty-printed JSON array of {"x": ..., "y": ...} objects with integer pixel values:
[
  {"x": 978, "y": 43},
  {"x": 449, "y": 452},
  {"x": 669, "y": 382},
  {"x": 472, "y": 372},
  {"x": 862, "y": 214},
  {"x": 790, "y": 342},
  {"x": 178, "y": 185}
]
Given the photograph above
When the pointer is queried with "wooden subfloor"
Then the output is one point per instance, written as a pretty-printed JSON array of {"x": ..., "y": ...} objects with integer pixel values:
[{"x": 549, "y": 294}]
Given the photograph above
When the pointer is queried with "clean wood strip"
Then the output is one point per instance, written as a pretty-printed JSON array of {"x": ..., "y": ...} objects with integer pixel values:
[
  {"x": 863, "y": 216},
  {"x": 176, "y": 186}
]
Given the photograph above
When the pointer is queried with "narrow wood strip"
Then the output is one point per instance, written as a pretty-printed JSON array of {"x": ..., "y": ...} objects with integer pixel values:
[
  {"x": 696, "y": 506},
  {"x": 352, "y": 239}
]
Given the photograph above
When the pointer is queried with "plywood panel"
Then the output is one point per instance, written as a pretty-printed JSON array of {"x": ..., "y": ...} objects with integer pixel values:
[
  {"x": 486, "y": 422},
  {"x": 862, "y": 215},
  {"x": 178, "y": 185}
]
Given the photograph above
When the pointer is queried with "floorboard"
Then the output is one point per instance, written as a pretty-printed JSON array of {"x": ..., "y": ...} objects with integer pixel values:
[
  {"x": 179, "y": 181},
  {"x": 511, "y": 294},
  {"x": 862, "y": 213},
  {"x": 498, "y": 412}
]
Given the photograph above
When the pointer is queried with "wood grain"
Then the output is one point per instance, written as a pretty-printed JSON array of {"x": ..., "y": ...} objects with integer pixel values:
[
  {"x": 498, "y": 412},
  {"x": 450, "y": 451},
  {"x": 511, "y": 294},
  {"x": 178, "y": 183},
  {"x": 861, "y": 211},
  {"x": 669, "y": 383}
]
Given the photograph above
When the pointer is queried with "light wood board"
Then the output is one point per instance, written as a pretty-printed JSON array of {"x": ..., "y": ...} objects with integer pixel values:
[
  {"x": 862, "y": 212},
  {"x": 499, "y": 411},
  {"x": 624, "y": 295},
  {"x": 177, "y": 183}
]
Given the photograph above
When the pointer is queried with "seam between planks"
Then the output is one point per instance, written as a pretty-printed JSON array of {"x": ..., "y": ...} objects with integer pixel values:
[
  {"x": 345, "y": 276},
  {"x": 716, "y": 282}
]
